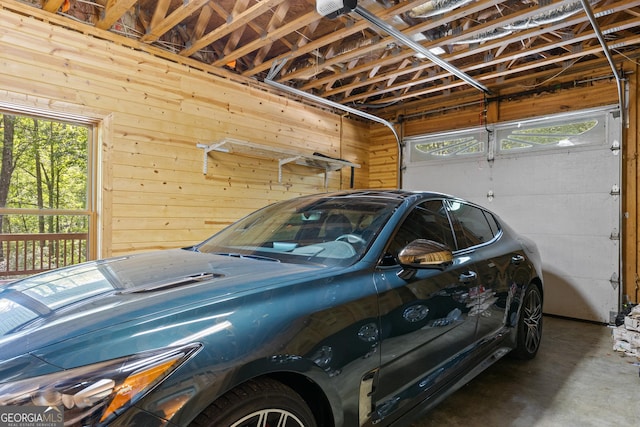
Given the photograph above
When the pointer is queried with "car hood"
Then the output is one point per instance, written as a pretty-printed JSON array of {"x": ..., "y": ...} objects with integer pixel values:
[{"x": 63, "y": 304}]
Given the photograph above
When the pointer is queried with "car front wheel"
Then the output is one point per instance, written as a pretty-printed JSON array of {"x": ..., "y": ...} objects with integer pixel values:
[
  {"x": 529, "y": 324},
  {"x": 259, "y": 403}
]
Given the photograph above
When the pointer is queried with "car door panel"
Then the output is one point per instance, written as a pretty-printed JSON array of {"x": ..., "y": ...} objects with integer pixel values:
[
  {"x": 425, "y": 322},
  {"x": 497, "y": 263}
]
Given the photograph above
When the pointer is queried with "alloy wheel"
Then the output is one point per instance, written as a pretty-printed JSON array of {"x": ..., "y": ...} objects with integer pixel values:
[
  {"x": 532, "y": 320},
  {"x": 269, "y": 418}
]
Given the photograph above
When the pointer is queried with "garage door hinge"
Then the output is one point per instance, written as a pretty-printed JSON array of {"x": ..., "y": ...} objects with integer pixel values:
[
  {"x": 615, "y": 147},
  {"x": 615, "y": 235},
  {"x": 615, "y": 190},
  {"x": 615, "y": 280}
]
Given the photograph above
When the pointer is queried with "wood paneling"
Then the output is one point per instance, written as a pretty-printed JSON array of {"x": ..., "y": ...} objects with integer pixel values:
[
  {"x": 383, "y": 159},
  {"x": 150, "y": 115},
  {"x": 630, "y": 196}
]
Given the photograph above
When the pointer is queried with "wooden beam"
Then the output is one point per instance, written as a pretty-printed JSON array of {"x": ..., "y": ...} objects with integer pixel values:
[
  {"x": 594, "y": 69},
  {"x": 201, "y": 24},
  {"x": 342, "y": 33},
  {"x": 522, "y": 35},
  {"x": 234, "y": 38},
  {"x": 492, "y": 74},
  {"x": 510, "y": 59},
  {"x": 161, "y": 25},
  {"x": 272, "y": 36},
  {"x": 383, "y": 42},
  {"x": 113, "y": 10},
  {"x": 52, "y": 5},
  {"x": 276, "y": 21},
  {"x": 159, "y": 13},
  {"x": 631, "y": 195},
  {"x": 237, "y": 22}
]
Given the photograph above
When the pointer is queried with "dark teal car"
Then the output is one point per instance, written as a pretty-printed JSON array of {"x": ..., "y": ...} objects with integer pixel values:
[{"x": 346, "y": 309}]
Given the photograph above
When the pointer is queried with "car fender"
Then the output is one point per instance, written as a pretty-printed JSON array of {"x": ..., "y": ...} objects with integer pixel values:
[{"x": 299, "y": 373}]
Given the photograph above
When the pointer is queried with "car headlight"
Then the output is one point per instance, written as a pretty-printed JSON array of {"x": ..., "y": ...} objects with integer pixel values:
[{"x": 96, "y": 394}]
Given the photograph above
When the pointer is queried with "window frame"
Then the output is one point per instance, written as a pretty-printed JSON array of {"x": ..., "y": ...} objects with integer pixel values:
[
  {"x": 454, "y": 219},
  {"x": 94, "y": 126},
  {"x": 491, "y": 135}
]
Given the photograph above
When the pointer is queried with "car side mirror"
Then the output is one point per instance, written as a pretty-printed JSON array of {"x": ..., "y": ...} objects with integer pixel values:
[{"x": 422, "y": 253}]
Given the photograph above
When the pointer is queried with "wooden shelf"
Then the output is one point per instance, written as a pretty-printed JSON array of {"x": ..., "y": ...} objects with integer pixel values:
[{"x": 284, "y": 156}]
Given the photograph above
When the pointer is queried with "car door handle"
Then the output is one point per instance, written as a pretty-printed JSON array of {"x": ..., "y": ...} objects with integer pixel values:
[
  {"x": 517, "y": 259},
  {"x": 468, "y": 276}
]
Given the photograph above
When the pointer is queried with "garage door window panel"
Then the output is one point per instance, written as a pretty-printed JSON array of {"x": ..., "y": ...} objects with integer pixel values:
[
  {"x": 450, "y": 146},
  {"x": 559, "y": 133}
]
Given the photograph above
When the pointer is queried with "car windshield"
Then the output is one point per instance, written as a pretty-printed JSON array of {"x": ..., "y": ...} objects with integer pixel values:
[{"x": 329, "y": 231}]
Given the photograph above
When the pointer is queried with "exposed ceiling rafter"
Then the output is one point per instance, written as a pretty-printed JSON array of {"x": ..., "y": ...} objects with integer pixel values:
[{"x": 398, "y": 53}]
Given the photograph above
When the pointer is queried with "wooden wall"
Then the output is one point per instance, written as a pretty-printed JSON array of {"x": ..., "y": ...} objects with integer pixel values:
[
  {"x": 599, "y": 92},
  {"x": 150, "y": 114},
  {"x": 631, "y": 198}
]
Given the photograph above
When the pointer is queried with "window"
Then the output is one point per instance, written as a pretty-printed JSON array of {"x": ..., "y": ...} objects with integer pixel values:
[
  {"x": 46, "y": 210},
  {"x": 447, "y": 146},
  {"x": 427, "y": 221},
  {"x": 493, "y": 223},
  {"x": 558, "y": 133},
  {"x": 471, "y": 225}
]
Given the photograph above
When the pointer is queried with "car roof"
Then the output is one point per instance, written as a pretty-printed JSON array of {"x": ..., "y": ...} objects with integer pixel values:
[
  {"x": 389, "y": 194},
  {"x": 399, "y": 196}
]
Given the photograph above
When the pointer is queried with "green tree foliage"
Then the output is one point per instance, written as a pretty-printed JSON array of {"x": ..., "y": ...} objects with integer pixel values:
[{"x": 44, "y": 167}]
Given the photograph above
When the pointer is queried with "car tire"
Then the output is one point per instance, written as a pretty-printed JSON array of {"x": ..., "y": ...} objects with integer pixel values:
[
  {"x": 248, "y": 404},
  {"x": 529, "y": 325}
]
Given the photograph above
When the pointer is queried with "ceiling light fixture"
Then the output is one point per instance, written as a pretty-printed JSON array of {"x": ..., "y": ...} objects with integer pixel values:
[{"x": 435, "y": 50}]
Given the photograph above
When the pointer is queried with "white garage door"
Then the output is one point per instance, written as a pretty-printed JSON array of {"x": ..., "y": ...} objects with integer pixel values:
[{"x": 554, "y": 179}]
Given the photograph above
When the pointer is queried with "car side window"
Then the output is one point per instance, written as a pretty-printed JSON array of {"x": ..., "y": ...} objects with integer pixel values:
[
  {"x": 470, "y": 224},
  {"x": 495, "y": 227},
  {"x": 427, "y": 220}
]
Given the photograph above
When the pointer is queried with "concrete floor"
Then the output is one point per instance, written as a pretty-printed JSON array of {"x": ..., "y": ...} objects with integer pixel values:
[{"x": 575, "y": 380}]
